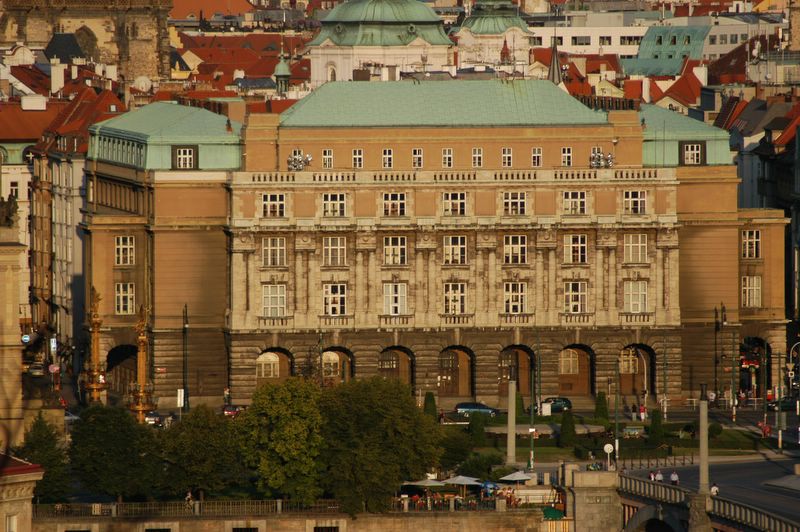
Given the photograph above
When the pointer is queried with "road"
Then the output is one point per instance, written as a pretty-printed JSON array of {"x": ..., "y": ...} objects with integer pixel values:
[{"x": 743, "y": 482}]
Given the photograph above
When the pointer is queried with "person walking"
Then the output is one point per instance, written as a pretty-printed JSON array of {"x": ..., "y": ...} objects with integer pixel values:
[
  {"x": 659, "y": 476},
  {"x": 673, "y": 478},
  {"x": 714, "y": 490},
  {"x": 652, "y": 475}
]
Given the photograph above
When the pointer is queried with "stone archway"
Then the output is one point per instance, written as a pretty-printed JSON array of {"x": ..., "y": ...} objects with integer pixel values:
[
  {"x": 397, "y": 362},
  {"x": 273, "y": 365},
  {"x": 515, "y": 363},
  {"x": 87, "y": 40},
  {"x": 338, "y": 366},
  {"x": 651, "y": 519},
  {"x": 637, "y": 370},
  {"x": 456, "y": 377},
  {"x": 576, "y": 371},
  {"x": 755, "y": 366}
]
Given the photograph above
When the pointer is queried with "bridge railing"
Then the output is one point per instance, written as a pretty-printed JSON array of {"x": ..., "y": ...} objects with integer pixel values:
[
  {"x": 657, "y": 491},
  {"x": 751, "y": 517}
]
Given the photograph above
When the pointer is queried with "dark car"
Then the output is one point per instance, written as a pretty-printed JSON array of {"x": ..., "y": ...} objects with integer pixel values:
[
  {"x": 787, "y": 404},
  {"x": 232, "y": 410},
  {"x": 557, "y": 404},
  {"x": 154, "y": 418},
  {"x": 465, "y": 409}
]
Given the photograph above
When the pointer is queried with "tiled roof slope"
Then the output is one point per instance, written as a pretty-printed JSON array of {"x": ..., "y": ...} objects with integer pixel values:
[{"x": 17, "y": 125}]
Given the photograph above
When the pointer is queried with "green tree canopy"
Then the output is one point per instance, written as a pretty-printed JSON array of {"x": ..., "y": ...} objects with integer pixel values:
[
  {"x": 280, "y": 439},
  {"x": 201, "y": 453},
  {"x": 656, "y": 435},
  {"x": 375, "y": 438},
  {"x": 430, "y": 406},
  {"x": 112, "y": 455},
  {"x": 42, "y": 445},
  {"x": 601, "y": 406},
  {"x": 456, "y": 446}
]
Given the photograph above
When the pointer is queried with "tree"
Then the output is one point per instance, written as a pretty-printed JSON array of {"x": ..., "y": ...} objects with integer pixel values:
[
  {"x": 279, "y": 436},
  {"x": 656, "y": 435},
  {"x": 520, "y": 407},
  {"x": 375, "y": 438},
  {"x": 601, "y": 406},
  {"x": 714, "y": 430},
  {"x": 430, "y": 406},
  {"x": 566, "y": 437},
  {"x": 480, "y": 465},
  {"x": 201, "y": 453},
  {"x": 456, "y": 447},
  {"x": 112, "y": 455},
  {"x": 42, "y": 445},
  {"x": 477, "y": 429}
]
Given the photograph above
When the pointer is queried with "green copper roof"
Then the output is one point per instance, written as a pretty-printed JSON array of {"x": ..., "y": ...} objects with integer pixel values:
[
  {"x": 662, "y": 123},
  {"x": 163, "y": 122},
  {"x": 663, "y": 48},
  {"x": 381, "y": 23},
  {"x": 282, "y": 69},
  {"x": 494, "y": 17},
  {"x": 439, "y": 103}
]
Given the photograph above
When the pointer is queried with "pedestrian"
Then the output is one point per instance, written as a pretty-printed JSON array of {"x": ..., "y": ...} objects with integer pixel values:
[
  {"x": 712, "y": 397},
  {"x": 714, "y": 489},
  {"x": 659, "y": 476},
  {"x": 189, "y": 499},
  {"x": 226, "y": 395},
  {"x": 634, "y": 412},
  {"x": 673, "y": 478},
  {"x": 652, "y": 475},
  {"x": 642, "y": 412}
]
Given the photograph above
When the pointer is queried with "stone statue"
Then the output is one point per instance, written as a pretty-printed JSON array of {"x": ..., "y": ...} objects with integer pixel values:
[{"x": 8, "y": 211}]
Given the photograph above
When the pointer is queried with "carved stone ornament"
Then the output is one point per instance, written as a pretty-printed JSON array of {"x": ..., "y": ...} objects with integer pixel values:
[{"x": 8, "y": 211}]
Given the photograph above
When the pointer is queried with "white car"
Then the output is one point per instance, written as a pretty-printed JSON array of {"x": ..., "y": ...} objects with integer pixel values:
[{"x": 70, "y": 418}]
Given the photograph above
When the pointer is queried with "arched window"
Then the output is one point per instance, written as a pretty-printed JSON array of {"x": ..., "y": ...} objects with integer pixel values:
[
  {"x": 448, "y": 373},
  {"x": 268, "y": 366},
  {"x": 388, "y": 365},
  {"x": 331, "y": 73},
  {"x": 628, "y": 362},
  {"x": 568, "y": 362},
  {"x": 507, "y": 365},
  {"x": 330, "y": 364}
]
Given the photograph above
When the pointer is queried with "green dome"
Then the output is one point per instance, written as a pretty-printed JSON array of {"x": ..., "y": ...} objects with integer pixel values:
[
  {"x": 383, "y": 11},
  {"x": 282, "y": 69},
  {"x": 494, "y": 17}
]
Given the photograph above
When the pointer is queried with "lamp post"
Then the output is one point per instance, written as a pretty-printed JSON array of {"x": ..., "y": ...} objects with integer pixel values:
[
  {"x": 734, "y": 376},
  {"x": 664, "y": 366},
  {"x": 616, "y": 414},
  {"x": 140, "y": 399},
  {"x": 720, "y": 320},
  {"x": 97, "y": 377}
]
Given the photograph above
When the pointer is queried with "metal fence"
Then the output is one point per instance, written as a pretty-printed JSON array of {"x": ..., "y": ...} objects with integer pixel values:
[{"x": 430, "y": 504}]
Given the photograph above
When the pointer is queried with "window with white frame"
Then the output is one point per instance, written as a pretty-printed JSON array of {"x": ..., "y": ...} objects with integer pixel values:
[
  {"x": 268, "y": 366},
  {"x": 515, "y": 249},
  {"x": 566, "y": 156},
  {"x": 334, "y": 205},
  {"x": 394, "y": 250},
  {"x": 634, "y": 201},
  {"x": 394, "y": 203},
  {"x": 388, "y": 158},
  {"x": 273, "y": 300},
  {"x": 124, "y": 298},
  {"x": 635, "y": 248},
  {"x": 628, "y": 362},
  {"x": 692, "y": 153},
  {"x": 334, "y": 251},
  {"x": 575, "y": 297},
  {"x": 751, "y": 244},
  {"x": 575, "y": 249},
  {"x": 327, "y": 158},
  {"x": 514, "y": 295},
  {"x": 334, "y": 299},
  {"x": 574, "y": 202},
  {"x": 14, "y": 190},
  {"x": 507, "y": 159},
  {"x": 477, "y": 157},
  {"x": 124, "y": 250},
  {"x": 447, "y": 157},
  {"x": 185, "y": 158},
  {"x": 330, "y": 364},
  {"x": 417, "y": 159},
  {"x": 454, "y": 203},
  {"x": 273, "y": 205},
  {"x": 635, "y": 296},
  {"x": 455, "y": 298},
  {"x": 536, "y": 157},
  {"x": 515, "y": 203},
  {"x": 395, "y": 299},
  {"x": 297, "y": 152},
  {"x": 455, "y": 250},
  {"x": 568, "y": 362},
  {"x": 11, "y": 523},
  {"x": 751, "y": 291},
  {"x": 273, "y": 251},
  {"x": 358, "y": 158}
]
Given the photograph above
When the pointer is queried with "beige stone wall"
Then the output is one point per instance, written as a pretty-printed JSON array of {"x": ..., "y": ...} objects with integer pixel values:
[{"x": 11, "y": 426}]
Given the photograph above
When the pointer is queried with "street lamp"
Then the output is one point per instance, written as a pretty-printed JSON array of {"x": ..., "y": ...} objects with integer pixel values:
[
  {"x": 791, "y": 374},
  {"x": 616, "y": 413},
  {"x": 720, "y": 319}
]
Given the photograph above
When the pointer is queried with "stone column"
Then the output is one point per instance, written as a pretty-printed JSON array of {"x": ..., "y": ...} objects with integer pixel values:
[
  {"x": 599, "y": 291},
  {"x": 612, "y": 283},
  {"x": 551, "y": 284},
  {"x": 431, "y": 283},
  {"x": 480, "y": 296},
  {"x": 540, "y": 287},
  {"x": 659, "y": 282},
  {"x": 300, "y": 289},
  {"x": 373, "y": 307},
  {"x": 361, "y": 285},
  {"x": 493, "y": 307},
  {"x": 419, "y": 286},
  {"x": 511, "y": 432},
  {"x": 11, "y": 416}
]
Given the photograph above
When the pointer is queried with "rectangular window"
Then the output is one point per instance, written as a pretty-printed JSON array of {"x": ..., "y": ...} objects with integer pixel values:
[
  {"x": 575, "y": 249},
  {"x": 751, "y": 291},
  {"x": 581, "y": 40},
  {"x": 535, "y": 41},
  {"x": 558, "y": 41},
  {"x": 514, "y": 203},
  {"x": 334, "y": 299},
  {"x": 124, "y": 298},
  {"x": 566, "y": 156},
  {"x": 751, "y": 244},
  {"x": 416, "y": 158},
  {"x": 273, "y": 205},
  {"x": 334, "y": 251},
  {"x": 712, "y": 39},
  {"x": 273, "y": 300},
  {"x": 723, "y": 38},
  {"x": 14, "y": 190},
  {"x": 635, "y": 295},
  {"x": 11, "y": 523},
  {"x": 388, "y": 158},
  {"x": 447, "y": 157},
  {"x": 507, "y": 159},
  {"x": 605, "y": 40},
  {"x": 536, "y": 157},
  {"x": 455, "y": 250},
  {"x": 394, "y": 204},
  {"x": 358, "y": 158},
  {"x": 630, "y": 40},
  {"x": 692, "y": 153},
  {"x": 124, "y": 250},
  {"x": 575, "y": 297},
  {"x": 734, "y": 38},
  {"x": 515, "y": 249},
  {"x": 273, "y": 251},
  {"x": 634, "y": 201},
  {"x": 395, "y": 299},
  {"x": 454, "y": 203},
  {"x": 514, "y": 295},
  {"x": 635, "y": 248},
  {"x": 455, "y": 298},
  {"x": 327, "y": 159},
  {"x": 333, "y": 205},
  {"x": 394, "y": 250},
  {"x": 477, "y": 157},
  {"x": 184, "y": 158},
  {"x": 574, "y": 202}
]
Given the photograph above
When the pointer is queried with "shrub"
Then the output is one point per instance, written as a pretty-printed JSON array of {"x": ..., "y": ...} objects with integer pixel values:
[
  {"x": 601, "y": 406},
  {"x": 656, "y": 435},
  {"x": 714, "y": 430},
  {"x": 479, "y": 465},
  {"x": 567, "y": 436},
  {"x": 456, "y": 446},
  {"x": 430, "y": 405},
  {"x": 520, "y": 406},
  {"x": 477, "y": 429}
]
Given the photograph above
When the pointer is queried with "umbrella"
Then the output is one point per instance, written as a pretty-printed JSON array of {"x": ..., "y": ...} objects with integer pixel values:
[
  {"x": 488, "y": 484},
  {"x": 426, "y": 483},
  {"x": 517, "y": 476},
  {"x": 463, "y": 482}
]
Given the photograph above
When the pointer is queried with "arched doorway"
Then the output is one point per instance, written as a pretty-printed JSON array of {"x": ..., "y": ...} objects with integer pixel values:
[
  {"x": 576, "y": 371},
  {"x": 637, "y": 370},
  {"x": 514, "y": 363},
  {"x": 120, "y": 370},
  {"x": 456, "y": 372},
  {"x": 397, "y": 363},
  {"x": 337, "y": 366},
  {"x": 87, "y": 41},
  {"x": 755, "y": 362},
  {"x": 273, "y": 366}
]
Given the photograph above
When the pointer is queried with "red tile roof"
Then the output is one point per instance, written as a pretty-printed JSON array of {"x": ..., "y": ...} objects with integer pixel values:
[
  {"x": 732, "y": 67},
  {"x": 655, "y": 91},
  {"x": 10, "y": 466},
  {"x": 261, "y": 43},
  {"x": 735, "y": 114},
  {"x": 184, "y": 9},
  {"x": 633, "y": 89},
  {"x": 33, "y": 78},
  {"x": 17, "y": 125}
]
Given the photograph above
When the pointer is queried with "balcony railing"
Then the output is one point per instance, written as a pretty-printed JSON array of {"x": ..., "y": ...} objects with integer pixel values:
[
  {"x": 396, "y": 321},
  {"x": 516, "y": 319},
  {"x": 636, "y": 318},
  {"x": 457, "y": 319},
  {"x": 270, "y": 322},
  {"x": 336, "y": 321},
  {"x": 577, "y": 318}
]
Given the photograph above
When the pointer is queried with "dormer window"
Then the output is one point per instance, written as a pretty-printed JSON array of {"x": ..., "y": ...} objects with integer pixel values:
[
  {"x": 184, "y": 157},
  {"x": 692, "y": 153}
]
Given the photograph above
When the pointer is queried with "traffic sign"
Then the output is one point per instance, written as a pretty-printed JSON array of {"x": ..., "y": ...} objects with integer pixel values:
[
  {"x": 53, "y": 345},
  {"x": 791, "y": 374},
  {"x": 26, "y": 338}
]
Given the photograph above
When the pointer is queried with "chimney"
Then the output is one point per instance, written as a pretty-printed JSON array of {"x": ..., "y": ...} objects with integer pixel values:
[
  {"x": 98, "y": 69},
  {"x": 56, "y": 75},
  {"x": 111, "y": 72},
  {"x": 73, "y": 71}
]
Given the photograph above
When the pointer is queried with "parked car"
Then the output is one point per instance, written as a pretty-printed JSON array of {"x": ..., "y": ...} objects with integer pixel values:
[
  {"x": 465, "y": 409},
  {"x": 232, "y": 410},
  {"x": 154, "y": 418},
  {"x": 786, "y": 404},
  {"x": 557, "y": 404},
  {"x": 70, "y": 418},
  {"x": 36, "y": 370}
]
